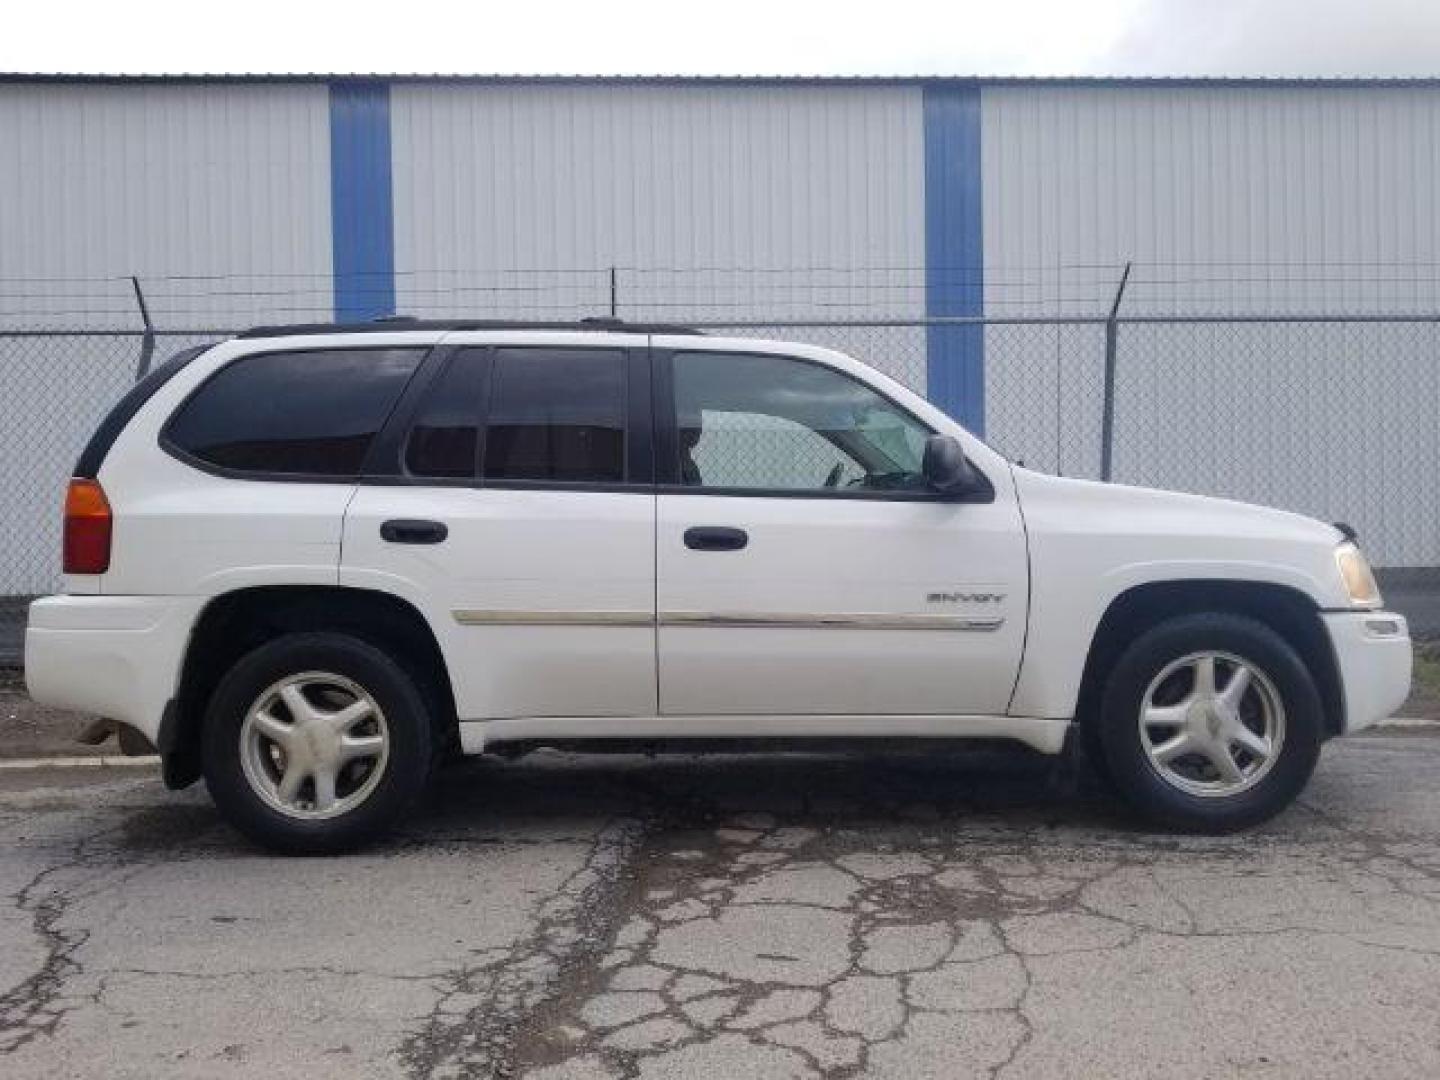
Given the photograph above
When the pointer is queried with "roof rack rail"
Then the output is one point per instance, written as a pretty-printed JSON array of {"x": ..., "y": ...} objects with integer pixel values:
[{"x": 390, "y": 323}]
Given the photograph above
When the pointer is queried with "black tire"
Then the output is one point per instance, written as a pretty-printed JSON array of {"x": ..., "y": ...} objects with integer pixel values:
[
  {"x": 405, "y": 772},
  {"x": 1094, "y": 764},
  {"x": 1127, "y": 764}
]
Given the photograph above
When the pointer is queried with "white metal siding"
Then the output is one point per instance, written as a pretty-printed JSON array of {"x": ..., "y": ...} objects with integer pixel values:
[
  {"x": 218, "y": 197},
  {"x": 1228, "y": 199},
  {"x": 729, "y": 201},
  {"x": 229, "y": 185},
  {"x": 787, "y": 201}
]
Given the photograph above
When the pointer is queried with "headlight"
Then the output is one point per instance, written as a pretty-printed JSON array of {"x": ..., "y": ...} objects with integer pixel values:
[{"x": 1355, "y": 572}]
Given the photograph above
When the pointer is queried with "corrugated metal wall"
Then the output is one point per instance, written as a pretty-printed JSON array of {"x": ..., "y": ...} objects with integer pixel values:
[
  {"x": 229, "y": 185},
  {"x": 803, "y": 200},
  {"x": 1233, "y": 198},
  {"x": 218, "y": 197},
  {"x": 1229, "y": 199},
  {"x": 713, "y": 202}
]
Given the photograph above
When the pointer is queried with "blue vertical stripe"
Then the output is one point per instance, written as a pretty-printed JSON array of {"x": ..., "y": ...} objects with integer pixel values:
[
  {"x": 362, "y": 214},
  {"x": 954, "y": 250}
]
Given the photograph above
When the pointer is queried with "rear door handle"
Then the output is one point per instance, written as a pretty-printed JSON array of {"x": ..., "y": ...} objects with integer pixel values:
[
  {"x": 413, "y": 531},
  {"x": 715, "y": 538}
]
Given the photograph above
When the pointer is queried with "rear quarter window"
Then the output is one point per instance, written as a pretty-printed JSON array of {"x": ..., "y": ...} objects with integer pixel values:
[{"x": 311, "y": 412}]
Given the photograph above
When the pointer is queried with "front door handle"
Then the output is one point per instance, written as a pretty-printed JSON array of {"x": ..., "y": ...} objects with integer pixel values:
[
  {"x": 715, "y": 538},
  {"x": 413, "y": 531}
]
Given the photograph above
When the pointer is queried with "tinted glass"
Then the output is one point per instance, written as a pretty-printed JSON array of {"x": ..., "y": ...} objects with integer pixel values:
[
  {"x": 556, "y": 414},
  {"x": 443, "y": 440},
  {"x": 311, "y": 413},
  {"x": 773, "y": 423}
]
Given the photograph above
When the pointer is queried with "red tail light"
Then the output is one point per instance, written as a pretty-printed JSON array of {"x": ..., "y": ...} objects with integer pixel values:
[{"x": 87, "y": 528}]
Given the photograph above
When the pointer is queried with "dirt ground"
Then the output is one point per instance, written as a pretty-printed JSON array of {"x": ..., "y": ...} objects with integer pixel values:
[
  {"x": 1424, "y": 700},
  {"x": 30, "y": 730}
]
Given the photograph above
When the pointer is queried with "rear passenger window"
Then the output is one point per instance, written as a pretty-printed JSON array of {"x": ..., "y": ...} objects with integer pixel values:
[
  {"x": 307, "y": 413},
  {"x": 443, "y": 440},
  {"x": 556, "y": 414}
]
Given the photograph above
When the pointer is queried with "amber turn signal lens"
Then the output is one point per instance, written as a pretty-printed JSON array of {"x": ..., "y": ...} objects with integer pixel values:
[
  {"x": 1355, "y": 572},
  {"x": 87, "y": 528}
]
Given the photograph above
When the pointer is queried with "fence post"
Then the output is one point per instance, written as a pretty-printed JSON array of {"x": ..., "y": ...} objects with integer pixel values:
[
  {"x": 1107, "y": 423},
  {"x": 147, "y": 340},
  {"x": 614, "y": 295}
]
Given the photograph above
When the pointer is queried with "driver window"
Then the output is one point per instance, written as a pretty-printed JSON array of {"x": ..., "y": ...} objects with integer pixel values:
[{"x": 772, "y": 423}]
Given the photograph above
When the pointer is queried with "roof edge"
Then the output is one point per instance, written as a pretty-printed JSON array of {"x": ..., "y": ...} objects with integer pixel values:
[
  {"x": 394, "y": 323},
  {"x": 307, "y": 78}
]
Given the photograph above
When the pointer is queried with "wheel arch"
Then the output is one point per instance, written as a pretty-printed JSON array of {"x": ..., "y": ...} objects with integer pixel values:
[
  {"x": 233, "y": 623},
  {"x": 1289, "y": 612}
]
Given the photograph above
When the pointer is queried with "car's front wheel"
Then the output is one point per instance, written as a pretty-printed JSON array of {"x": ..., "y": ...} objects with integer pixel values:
[
  {"x": 1210, "y": 722},
  {"x": 314, "y": 743}
]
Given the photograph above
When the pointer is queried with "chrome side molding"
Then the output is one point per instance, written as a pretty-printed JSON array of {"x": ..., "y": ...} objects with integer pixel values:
[
  {"x": 492, "y": 617},
  {"x": 754, "y": 620},
  {"x": 840, "y": 620}
]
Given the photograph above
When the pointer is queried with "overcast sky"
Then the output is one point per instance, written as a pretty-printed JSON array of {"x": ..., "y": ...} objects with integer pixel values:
[{"x": 746, "y": 37}]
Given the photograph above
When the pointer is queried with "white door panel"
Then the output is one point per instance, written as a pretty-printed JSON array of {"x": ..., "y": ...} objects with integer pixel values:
[
  {"x": 544, "y": 600},
  {"x": 841, "y": 606}
]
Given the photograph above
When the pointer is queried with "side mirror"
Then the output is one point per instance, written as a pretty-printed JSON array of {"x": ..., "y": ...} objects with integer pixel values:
[{"x": 946, "y": 468}]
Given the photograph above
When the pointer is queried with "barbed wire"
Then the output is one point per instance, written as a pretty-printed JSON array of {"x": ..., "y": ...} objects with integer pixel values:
[{"x": 756, "y": 292}]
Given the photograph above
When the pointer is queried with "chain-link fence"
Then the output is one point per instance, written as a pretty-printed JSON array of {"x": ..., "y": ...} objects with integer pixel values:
[
  {"x": 57, "y": 387},
  {"x": 1331, "y": 417}
]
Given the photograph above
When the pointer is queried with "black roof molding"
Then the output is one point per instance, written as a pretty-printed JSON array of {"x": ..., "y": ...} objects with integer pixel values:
[{"x": 398, "y": 323}]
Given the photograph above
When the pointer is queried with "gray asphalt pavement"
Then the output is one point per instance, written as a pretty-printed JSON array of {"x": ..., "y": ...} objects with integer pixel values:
[{"x": 909, "y": 915}]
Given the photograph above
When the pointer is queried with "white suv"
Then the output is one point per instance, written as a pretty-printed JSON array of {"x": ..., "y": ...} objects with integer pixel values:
[{"x": 306, "y": 562}]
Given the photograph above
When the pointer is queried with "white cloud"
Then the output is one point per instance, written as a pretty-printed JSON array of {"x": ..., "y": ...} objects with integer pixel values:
[
  {"x": 1283, "y": 37},
  {"x": 864, "y": 37}
]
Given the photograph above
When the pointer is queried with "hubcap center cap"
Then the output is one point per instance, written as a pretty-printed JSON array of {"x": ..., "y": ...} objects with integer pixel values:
[
  {"x": 1208, "y": 718},
  {"x": 1198, "y": 717},
  {"x": 319, "y": 745}
]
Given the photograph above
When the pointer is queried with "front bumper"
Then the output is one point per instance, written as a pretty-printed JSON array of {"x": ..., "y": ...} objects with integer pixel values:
[
  {"x": 114, "y": 656},
  {"x": 1374, "y": 656}
]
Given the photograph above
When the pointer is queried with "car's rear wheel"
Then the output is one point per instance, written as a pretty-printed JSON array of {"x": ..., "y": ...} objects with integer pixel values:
[
  {"x": 1210, "y": 722},
  {"x": 316, "y": 742}
]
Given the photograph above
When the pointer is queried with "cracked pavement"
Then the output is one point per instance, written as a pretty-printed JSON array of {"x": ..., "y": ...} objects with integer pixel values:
[{"x": 915, "y": 914}]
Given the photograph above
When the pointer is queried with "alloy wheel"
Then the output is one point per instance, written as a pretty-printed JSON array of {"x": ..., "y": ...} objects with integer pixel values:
[
  {"x": 1212, "y": 724},
  {"x": 314, "y": 745}
]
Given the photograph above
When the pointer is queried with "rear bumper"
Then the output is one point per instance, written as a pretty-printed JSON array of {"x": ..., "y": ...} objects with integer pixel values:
[
  {"x": 113, "y": 656},
  {"x": 1374, "y": 655}
]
